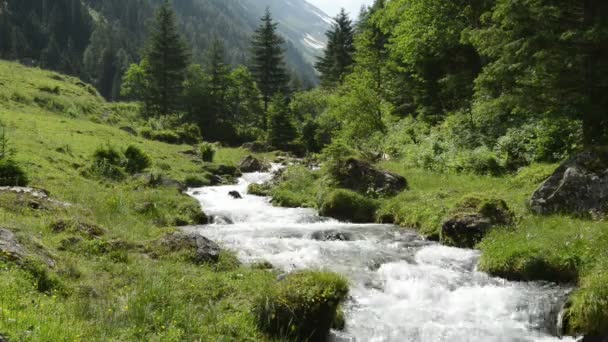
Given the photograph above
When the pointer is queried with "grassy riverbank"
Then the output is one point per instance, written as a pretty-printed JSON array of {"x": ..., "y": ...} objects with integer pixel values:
[
  {"x": 92, "y": 271},
  {"x": 554, "y": 248}
]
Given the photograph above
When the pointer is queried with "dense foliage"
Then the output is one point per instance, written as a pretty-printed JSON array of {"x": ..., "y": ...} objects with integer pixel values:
[{"x": 484, "y": 86}]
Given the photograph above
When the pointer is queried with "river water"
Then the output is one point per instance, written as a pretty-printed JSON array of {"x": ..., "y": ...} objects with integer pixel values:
[{"x": 402, "y": 287}]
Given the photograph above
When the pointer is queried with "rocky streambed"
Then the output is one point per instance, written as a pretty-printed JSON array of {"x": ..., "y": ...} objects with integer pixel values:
[{"x": 403, "y": 288}]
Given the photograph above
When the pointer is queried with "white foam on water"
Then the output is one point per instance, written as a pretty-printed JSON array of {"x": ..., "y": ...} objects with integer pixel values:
[{"x": 402, "y": 288}]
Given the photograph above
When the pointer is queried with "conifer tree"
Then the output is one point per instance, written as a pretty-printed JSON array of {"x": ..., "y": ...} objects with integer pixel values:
[
  {"x": 218, "y": 72},
  {"x": 268, "y": 65},
  {"x": 168, "y": 59},
  {"x": 338, "y": 57}
]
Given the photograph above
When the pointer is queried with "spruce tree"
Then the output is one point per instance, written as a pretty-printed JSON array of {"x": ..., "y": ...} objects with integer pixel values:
[
  {"x": 338, "y": 57},
  {"x": 168, "y": 58},
  {"x": 268, "y": 65},
  {"x": 218, "y": 72}
]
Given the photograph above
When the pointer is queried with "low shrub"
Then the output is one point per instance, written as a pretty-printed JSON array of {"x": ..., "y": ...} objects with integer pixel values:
[
  {"x": 207, "y": 151},
  {"x": 109, "y": 155},
  {"x": 11, "y": 174},
  {"x": 136, "y": 160},
  {"x": 166, "y": 136},
  {"x": 346, "y": 205},
  {"x": 107, "y": 163},
  {"x": 302, "y": 307},
  {"x": 189, "y": 134}
]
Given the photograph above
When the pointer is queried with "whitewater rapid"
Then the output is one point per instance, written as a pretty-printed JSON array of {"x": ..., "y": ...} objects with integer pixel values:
[{"x": 403, "y": 288}]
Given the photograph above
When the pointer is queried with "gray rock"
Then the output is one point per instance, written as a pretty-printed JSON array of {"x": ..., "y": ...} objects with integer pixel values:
[
  {"x": 3, "y": 338},
  {"x": 12, "y": 250},
  {"x": 465, "y": 231},
  {"x": 203, "y": 250},
  {"x": 252, "y": 164},
  {"x": 10, "y": 247},
  {"x": 332, "y": 235},
  {"x": 235, "y": 194},
  {"x": 472, "y": 220},
  {"x": 362, "y": 177},
  {"x": 40, "y": 196},
  {"x": 579, "y": 187}
]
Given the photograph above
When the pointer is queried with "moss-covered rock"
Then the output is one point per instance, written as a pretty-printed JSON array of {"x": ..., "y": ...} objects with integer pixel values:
[
  {"x": 302, "y": 307},
  {"x": 88, "y": 229},
  {"x": 362, "y": 177},
  {"x": 253, "y": 164},
  {"x": 259, "y": 189},
  {"x": 472, "y": 218},
  {"x": 194, "y": 247},
  {"x": 346, "y": 205}
]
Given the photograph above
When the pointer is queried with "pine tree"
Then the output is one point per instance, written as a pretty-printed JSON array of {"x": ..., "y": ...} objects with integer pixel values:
[
  {"x": 338, "y": 58},
  {"x": 168, "y": 58},
  {"x": 218, "y": 73},
  {"x": 268, "y": 65}
]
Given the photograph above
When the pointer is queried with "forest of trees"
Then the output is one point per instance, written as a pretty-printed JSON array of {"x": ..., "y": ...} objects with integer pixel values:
[
  {"x": 482, "y": 86},
  {"x": 97, "y": 40}
]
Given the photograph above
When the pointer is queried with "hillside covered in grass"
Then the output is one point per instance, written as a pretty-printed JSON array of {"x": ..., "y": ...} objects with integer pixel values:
[{"x": 90, "y": 266}]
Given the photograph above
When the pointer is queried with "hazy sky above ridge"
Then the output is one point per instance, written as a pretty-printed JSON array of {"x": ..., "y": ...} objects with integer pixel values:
[{"x": 332, "y": 7}]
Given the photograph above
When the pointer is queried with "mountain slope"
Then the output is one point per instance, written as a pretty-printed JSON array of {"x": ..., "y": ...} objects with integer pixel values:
[
  {"x": 303, "y": 24},
  {"x": 98, "y": 39}
]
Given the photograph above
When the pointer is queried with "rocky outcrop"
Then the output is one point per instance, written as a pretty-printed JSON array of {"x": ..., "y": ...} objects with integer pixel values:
[
  {"x": 579, "y": 187},
  {"x": 252, "y": 164},
  {"x": 472, "y": 219},
  {"x": 362, "y": 177},
  {"x": 198, "y": 248},
  {"x": 12, "y": 250},
  {"x": 38, "y": 199}
]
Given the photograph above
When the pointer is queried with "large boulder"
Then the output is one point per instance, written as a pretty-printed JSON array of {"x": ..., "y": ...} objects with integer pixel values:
[
  {"x": 362, "y": 177},
  {"x": 472, "y": 219},
  {"x": 252, "y": 164},
  {"x": 197, "y": 247},
  {"x": 579, "y": 186}
]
